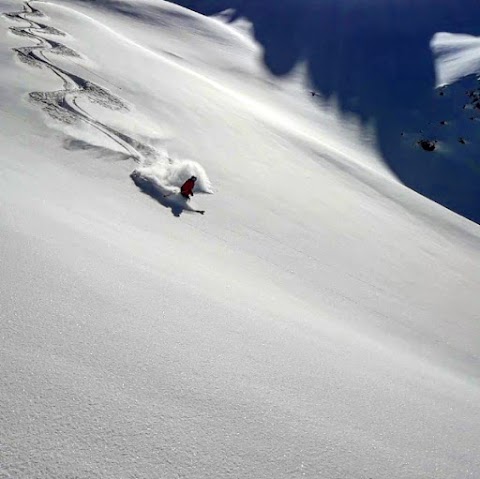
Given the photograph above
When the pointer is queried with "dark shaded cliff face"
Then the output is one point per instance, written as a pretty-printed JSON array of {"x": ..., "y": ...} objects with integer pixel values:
[{"x": 375, "y": 58}]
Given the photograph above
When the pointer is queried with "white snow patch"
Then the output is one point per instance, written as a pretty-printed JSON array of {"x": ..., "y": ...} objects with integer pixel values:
[{"x": 456, "y": 56}]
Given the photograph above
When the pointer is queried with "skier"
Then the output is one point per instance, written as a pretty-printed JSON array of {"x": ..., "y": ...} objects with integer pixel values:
[{"x": 187, "y": 188}]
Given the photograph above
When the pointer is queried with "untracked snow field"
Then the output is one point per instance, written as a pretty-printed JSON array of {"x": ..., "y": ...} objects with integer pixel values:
[{"x": 321, "y": 320}]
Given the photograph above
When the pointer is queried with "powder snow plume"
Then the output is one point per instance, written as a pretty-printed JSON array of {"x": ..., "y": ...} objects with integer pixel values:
[{"x": 168, "y": 175}]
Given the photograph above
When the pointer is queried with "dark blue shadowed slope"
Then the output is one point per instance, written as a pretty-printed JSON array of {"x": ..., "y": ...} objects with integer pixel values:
[{"x": 375, "y": 58}]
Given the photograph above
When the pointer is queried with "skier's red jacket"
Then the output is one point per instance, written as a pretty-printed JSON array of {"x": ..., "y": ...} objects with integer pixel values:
[{"x": 187, "y": 188}]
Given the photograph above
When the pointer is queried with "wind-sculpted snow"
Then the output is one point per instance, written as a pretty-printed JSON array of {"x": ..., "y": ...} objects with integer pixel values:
[{"x": 457, "y": 56}]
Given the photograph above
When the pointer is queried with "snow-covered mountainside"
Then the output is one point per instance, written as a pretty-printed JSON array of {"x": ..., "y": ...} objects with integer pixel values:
[
  {"x": 382, "y": 60},
  {"x": 320, "y": 320}
]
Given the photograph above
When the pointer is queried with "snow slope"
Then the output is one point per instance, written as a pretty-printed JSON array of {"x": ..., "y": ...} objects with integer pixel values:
[
  {"x": 379, "y": 60},
  {"x": 321, "y": 319}
]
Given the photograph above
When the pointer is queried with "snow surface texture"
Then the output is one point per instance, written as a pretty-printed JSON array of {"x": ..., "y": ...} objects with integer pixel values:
[{"x": 321, "y": 319}]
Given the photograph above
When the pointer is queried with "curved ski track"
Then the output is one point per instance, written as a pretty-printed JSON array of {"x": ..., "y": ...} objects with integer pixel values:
[{"x": 63, "y": 105}]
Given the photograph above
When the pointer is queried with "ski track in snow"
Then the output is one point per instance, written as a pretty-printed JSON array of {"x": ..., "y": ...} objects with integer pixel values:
[{"x": 64, "y": 106}]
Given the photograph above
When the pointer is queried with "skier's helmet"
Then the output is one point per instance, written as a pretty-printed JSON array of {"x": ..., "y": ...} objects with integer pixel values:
[{"x": 194, "y": 178}]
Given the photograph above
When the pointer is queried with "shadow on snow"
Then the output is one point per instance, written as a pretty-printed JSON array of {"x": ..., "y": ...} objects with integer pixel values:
[
  {"x": 177, "y": 204},
  {"x": 377, "y": 62}
]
